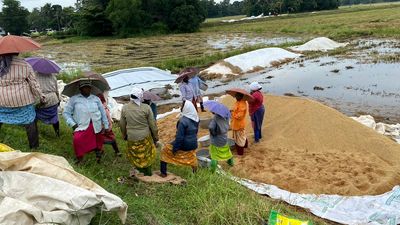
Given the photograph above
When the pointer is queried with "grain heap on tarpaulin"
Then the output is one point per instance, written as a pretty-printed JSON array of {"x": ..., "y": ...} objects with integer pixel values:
[{"x": 308, "y": 147}]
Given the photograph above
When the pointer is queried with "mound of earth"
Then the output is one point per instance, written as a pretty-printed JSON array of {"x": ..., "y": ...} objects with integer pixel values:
[{"x": 308, "y": 147}]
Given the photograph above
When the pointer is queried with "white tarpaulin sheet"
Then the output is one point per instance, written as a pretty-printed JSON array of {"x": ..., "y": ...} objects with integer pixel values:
[
  {"x": 319, "y": 44},
  {"x": 354, "y": 210},
  {"x": 37, "y": 188},
  {"x": 390, "y": 130},
  {"x": 121, "y": 81}
]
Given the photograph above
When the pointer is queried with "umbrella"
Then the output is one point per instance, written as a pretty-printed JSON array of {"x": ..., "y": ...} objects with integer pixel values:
[
  {"x": 191, "y": 71},
  {"x": 43, "y": 65},
  {"x": 188, "y": 72},
  {"x": 72, "y": 88},
  {"x": 246, "y": 95},
  {"x": 147, "y": 95},
  {"x": 218, "y": 108},
  {"x": 181, "y": 77},
  {"x": 91, "y": 74},
  {"x": 16, "y": 44}
]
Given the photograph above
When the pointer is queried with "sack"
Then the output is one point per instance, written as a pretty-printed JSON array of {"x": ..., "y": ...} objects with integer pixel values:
[
  {"x": 203, "y": 85},
  {"x": 5, "y": 148}
]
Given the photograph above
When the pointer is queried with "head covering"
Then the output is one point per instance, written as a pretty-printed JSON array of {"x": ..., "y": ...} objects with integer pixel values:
[
  {"x": 84, "y": 83},
  {"x": 138, "y": 93},
  {"x": 5, "y": 64},
  {"x": 189, "y": 111},
  {"x": 255, "y": 86}
]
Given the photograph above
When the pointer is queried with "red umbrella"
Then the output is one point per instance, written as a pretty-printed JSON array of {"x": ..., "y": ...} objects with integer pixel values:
[
  {"x": 188, "y": 72},
  {"x": 16, "y": 44},
  {"x": 246, "y": 95}
]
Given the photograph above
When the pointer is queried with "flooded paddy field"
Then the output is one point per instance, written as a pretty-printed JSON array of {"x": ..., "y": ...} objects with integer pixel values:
[
  {"x": 362, "y": 80},
  {"x": 110, "y": 54}
]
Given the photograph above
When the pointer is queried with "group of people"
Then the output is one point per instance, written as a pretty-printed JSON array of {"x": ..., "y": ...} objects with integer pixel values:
[
  {"x": 26, "y": 97},
  {"x": 139, "y": 128}
]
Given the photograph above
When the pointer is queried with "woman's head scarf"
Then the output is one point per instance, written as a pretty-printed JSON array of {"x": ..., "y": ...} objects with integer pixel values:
[{"x": 189, "y": 111}]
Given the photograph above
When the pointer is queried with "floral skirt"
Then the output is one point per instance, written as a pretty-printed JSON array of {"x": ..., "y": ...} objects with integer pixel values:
[
  {"x": 141, "y": 154},
  {"x": 180, "y": 158}
]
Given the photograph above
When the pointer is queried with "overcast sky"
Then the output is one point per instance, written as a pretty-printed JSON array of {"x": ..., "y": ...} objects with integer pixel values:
[{"x": 30, "y": 4}]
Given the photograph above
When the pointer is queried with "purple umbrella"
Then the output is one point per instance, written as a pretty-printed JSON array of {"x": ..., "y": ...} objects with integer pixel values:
[
  {"x": 218, "y": 108},
  {"x": 42, "y": 65}
]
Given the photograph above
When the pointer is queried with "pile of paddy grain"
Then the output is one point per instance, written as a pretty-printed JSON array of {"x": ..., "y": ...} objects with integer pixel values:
[{"x": 308, "y": 147}]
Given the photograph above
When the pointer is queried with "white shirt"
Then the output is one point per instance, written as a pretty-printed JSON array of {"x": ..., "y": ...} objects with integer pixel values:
[{"x": 81, "y": 111}]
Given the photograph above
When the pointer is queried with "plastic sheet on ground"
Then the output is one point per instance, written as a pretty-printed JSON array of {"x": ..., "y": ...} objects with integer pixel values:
[
  {"x": 250, "y": 61},
  {"x": 380, "y": 209},
  {"x": 37, "y": 188},
  {"x": 390, "y": 130},
  {"x": 148, "y": 78},
  {"x": 355, "y": 210},
  {"x": 319, "y": 44}
]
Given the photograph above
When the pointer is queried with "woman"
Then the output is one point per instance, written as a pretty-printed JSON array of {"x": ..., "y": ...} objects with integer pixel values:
[
  {"x": 87, "y": 117},
  {"x": 109, "y": 136},
  {"x": 48, "y": 113},
  {"x": 195, "y": 82},
  {"x": 219, "y": 148},
  {"x": 139, "y": 128},
  {"x": 187, "y": 92},
  {"x": 256, "y": 110},
  {"x": 19, "y": 90},
  {"x": 239, "y": 124},
  {"x": 182, "y": 151}
]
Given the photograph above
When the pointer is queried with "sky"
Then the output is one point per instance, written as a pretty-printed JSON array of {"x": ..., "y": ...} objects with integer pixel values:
[{"x": 30, "y": 4}]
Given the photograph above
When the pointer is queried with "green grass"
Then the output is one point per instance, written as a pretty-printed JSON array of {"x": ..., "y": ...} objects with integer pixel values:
[
  {"x": 206, "y": 199},
  {"x": 68, "y": 76},
  {"x": 380, "y": 20}
]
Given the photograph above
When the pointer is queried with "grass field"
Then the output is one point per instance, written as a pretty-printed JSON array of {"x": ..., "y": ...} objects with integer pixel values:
[
  {"x": 381, "y": 20},
  {"x": 177, "y": 51},
  {"x": 206, "y": 199}
]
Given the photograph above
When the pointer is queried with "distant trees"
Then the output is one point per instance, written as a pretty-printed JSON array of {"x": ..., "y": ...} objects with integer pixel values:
[
  {"x": 51, "y": 17},
  {"x": 14, "y": 17},
  {"x": 93, "y": 19},
  {"x": 256, "y": 7},
  {"x": 132, "y": 16},
  {"x": 223, "y": 8}
]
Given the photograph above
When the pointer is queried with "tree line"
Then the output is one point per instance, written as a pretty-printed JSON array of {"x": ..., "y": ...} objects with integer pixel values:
[
  {"x": 257, "y": 7},
  {"x": 106, "y": 17},
  {"x": 129, "y": 17}
]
